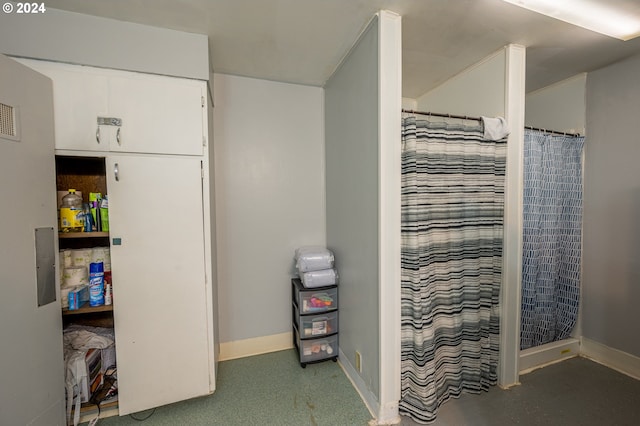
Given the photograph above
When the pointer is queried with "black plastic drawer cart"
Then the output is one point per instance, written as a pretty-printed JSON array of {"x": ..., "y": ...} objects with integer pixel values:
[{"x": 315, "y": 322}]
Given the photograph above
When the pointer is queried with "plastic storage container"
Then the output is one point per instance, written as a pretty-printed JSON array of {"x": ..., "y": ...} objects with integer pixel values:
[
  {"x": 311, "y": 350},
  {"x": 321, "y": 299},
  {"x": 314, "y": 322},
  {"x": 71, "y": 213},
  {"x": 313, "y": 258},
  {"x": 321, "y": 278},
  {"x": 317, "y": 325}
]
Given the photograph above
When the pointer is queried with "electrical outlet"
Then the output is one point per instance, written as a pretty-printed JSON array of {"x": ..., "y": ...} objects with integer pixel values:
[{"x": 358, "y": 362}]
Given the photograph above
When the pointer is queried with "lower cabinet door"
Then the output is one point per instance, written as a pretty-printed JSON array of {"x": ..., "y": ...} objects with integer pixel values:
[{"x": 158, "y": 271}]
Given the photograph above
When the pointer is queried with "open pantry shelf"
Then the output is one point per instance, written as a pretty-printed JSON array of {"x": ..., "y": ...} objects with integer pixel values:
[
  {"x": 86, "y": 309},
  {"x": 83, "y": 235}
]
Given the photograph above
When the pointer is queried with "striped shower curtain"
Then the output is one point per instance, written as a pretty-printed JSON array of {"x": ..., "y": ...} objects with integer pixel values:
[
  {"x": 552, "y": 235},
  {"x": 452, "y": 233}
]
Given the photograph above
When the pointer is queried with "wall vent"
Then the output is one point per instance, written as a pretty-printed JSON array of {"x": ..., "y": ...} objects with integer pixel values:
[{"x": 7, "y": 121}]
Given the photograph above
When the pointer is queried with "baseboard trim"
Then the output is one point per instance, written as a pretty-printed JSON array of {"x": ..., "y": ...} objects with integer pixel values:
[
  {"x": 47, "y": 416},
  {"x": 550, "y": 353},
  {"x": 367, "y": 396},
  {"x": 255, "y": 346},
  {"x": 615, "y": 359}
]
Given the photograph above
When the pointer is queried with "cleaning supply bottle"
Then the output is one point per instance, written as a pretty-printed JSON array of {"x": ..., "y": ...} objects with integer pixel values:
[
  {"x": 94, "y": 201},
  {"x": 96, "y": 284},
  {"x": 88, "y": 219},
  {"x": 95, "y": 211},
  {"x": 71, "y": 213},
  {"x": 104, "y": 213}
]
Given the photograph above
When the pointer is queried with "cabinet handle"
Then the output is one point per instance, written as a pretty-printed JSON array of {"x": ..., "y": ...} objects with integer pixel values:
[
  {"x": 98, "y": 134},
  {"x": 118, "y": 136},
  {"x": 116, "y": 173}
]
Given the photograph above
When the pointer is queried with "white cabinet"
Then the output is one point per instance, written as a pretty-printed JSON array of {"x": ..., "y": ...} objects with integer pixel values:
[
  {"x": 154, "y": 168},
  {"x": 32, "y": 388},
  {"x": 79, "y": 97},
  {"x": 159, "y": 114},
  {"x": 158, "y": 264},
  {"x": 154, "y": 114}
]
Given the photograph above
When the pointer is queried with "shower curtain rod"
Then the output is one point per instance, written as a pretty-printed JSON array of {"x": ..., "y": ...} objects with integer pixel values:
[
  {"x": 466, "y": 117},
  {"x": 437, "y": 114},
  {"x": 555, "y": 132}
]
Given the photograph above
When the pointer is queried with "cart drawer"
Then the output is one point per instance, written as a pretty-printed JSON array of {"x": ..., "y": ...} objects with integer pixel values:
[
  {"x": 317, "y": 349},
  {"x": 315, "y": 300}
]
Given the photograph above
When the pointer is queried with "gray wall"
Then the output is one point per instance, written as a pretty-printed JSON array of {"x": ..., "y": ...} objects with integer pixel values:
[
  {"x": 269, "y": 165},
  {"x": 560, "y": 106},
  {"x": 478, "y": 90},
  {"x": 611, "y": 258},
  {"x": 351, "y": 145},
  {"x": 88, "y": 40}
]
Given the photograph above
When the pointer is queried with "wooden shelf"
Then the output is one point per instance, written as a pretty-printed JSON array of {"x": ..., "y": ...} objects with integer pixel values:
[
  {"x": 86, "y": 309},
  {"x": 87, "y": 406},
  {"x": 83, "y": 235}
]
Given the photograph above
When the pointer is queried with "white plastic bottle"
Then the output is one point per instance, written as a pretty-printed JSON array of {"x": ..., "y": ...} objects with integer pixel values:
[
  {"x": 71, "y": 213},
  {"x": 108, "y": 298}
]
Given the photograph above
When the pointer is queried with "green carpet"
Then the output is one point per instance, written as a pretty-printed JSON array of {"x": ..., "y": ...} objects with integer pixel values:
[{"x": 270, "y": 389}]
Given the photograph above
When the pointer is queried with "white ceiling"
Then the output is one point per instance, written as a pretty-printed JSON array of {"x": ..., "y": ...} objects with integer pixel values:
[{"x": 302, "y": 41}]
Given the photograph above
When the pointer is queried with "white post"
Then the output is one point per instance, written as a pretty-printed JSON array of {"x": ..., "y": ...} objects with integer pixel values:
[
  {"x": 510, "y": 296},
  {"x": 389, "y": 184}
]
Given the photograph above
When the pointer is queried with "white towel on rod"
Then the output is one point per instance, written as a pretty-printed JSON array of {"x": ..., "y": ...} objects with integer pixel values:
[{"x": 495, "y": 128}]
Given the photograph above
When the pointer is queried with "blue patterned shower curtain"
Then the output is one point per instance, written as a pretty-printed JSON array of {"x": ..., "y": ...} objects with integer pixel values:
[
  {"x": 452, "y": 233},
  {"x": 552, "y": 237}
]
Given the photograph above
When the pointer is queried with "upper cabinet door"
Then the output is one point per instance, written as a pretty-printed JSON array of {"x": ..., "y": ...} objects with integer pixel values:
[
  {"x": 161, "y": 115},
  {"x": 79, "y": 98},
  {"x": 158, "y": 115}
]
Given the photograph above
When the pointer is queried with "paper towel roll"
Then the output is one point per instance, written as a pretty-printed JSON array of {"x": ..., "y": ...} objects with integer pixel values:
[
  {"x": 102, "y": 254},
  {"x": 65, "y": 258},
  {"x": 64, "y": 296},
  {"x": 81, "y": 257},
  {"x": 74, "y": 276}
]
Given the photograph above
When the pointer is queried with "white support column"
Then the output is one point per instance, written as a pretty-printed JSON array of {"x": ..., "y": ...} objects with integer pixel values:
[
  {"x": 389, "y": 184},
  {"x": 510, "y": 297}
]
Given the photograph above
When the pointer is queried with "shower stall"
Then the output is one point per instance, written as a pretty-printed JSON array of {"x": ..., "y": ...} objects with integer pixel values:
[{"x": 552, "y": 224}]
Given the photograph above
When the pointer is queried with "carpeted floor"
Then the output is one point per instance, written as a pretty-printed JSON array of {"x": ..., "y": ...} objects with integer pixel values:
[{"x": 270, "y": 389}]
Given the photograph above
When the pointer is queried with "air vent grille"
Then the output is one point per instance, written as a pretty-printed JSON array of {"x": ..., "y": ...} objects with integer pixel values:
[{"x": 7, "y": 121}]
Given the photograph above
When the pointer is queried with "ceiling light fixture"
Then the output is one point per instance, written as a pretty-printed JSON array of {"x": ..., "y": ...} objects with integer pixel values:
[{"x": 616, "y": 18}]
